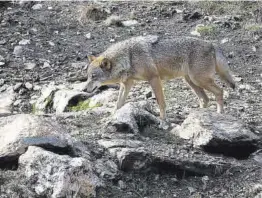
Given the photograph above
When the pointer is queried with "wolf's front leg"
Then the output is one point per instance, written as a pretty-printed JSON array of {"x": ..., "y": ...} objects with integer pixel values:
[{"x": 123, "y": 93}]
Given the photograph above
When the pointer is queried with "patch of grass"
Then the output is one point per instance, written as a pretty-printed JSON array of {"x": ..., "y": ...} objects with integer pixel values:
[
  {"x": 206, "y": 30},
  {"x": 34, "y": 109},
  {"x": 253, "y": 27},
  {"x": 84, "y": 105}
]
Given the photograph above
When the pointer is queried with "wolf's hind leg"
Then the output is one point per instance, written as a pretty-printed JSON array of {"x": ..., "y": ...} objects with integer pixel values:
[{"x": 202, "y": 97}]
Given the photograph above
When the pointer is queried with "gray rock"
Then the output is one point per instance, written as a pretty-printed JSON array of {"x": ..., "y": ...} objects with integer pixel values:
[
  {"x": 45, "y": 100},
  {"x": 130, "y": 23},
  {"x": 6, "y": 100},
  {"x": 56, "y": 175},
  {"x": 3, "y": 88},
  {"x": 219, "y": 133},
  {"x": 18, "y": 50},
  {"x": 2, "y": 58},
  {"x": 28, "y": 86},
  {"x": 24, "y": 42},
  {"x": 2, "y": 64},
  {"x": 37, "y": 6},
  {"x": 114, "y": 143},
  {"x": 63, "y": 97},
  {"x": 18, "y": 86},
  {"x": 17, "y": 132},
  {"x": 132, "y": 116},
  {"x": 131, "y": 158},
  {"x": 2, "y": 82},
  {"x": 30, "y": 66},
  {"x": 2, "y": 42},
  {"x": 105, "y": 98},
  {"x": 88, "y": 35},
  {"x": 106, "y": 169}
]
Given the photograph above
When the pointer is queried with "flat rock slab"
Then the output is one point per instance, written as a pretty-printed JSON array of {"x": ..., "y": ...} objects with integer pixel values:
[
  {"x": 53, "y": 175},
  {"x": 218, "y": 133},
  {"x": 17, "y": 132}
]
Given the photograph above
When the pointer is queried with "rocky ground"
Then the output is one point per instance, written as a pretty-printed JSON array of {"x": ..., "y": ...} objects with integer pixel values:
[{"x": 59, "y": 141}]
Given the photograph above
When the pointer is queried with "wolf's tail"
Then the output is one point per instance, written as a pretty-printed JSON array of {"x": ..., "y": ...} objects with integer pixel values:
[{"x": 223, "y": 70}]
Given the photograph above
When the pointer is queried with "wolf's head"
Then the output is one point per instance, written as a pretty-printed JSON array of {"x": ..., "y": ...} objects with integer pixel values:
[{"x": 99, "y": 73}]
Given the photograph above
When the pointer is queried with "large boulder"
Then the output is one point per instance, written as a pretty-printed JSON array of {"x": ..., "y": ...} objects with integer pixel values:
[
  {"x": 53, "y": 175},
  {"x": 17, "y": 132},
  {"x": 218, "y": 133}
]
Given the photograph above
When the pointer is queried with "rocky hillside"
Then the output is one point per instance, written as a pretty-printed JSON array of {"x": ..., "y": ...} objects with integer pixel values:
[{"x": 59, "y": 141}]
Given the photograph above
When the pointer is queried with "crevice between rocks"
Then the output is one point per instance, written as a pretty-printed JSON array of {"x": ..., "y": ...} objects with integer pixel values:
[
  {"x": 240, "y": 151},
  {"x": 9, "y": 163}
]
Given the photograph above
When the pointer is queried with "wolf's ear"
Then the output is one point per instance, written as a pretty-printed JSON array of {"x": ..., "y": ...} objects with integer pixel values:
[
  {"x": 106, "y": 64},
  {"x": 91, "y": 58}
]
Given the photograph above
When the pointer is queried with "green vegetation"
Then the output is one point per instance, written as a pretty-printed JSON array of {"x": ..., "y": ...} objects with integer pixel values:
[
  {"x": 34, "y": 110},
  {"x": 253, "y": 27},
  {"x": 83, "y": 105},
  {"x": 206, "y": 30}
]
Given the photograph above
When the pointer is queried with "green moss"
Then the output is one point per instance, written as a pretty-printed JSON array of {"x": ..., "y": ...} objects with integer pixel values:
[
  {"x": 253, "y": 27},
  {"x": 206, "y": 30},
  {"x": 34, "y": 110},
  {"x": 83, "y": 105}
]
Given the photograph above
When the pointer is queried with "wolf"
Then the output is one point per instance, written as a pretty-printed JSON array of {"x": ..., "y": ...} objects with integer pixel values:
[{"x": 154, "y": 59}]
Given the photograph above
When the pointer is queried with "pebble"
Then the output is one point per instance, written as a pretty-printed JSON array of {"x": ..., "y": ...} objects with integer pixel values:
[
  {"x": 88, "y": 35},
  {"x": 17, "y": 102},
  {"x": 37, "y": 6},
  {"x": 121, "y": 184},
  {"x": 17, "y": 86},
  {"x": 46, "y": 65},
  {"x": 28, "y": 86},
  {"x": 29, "y": 66},
  {"x": 2, "y": 82},
  {"x": 18, "y": 50},
  {"x": 2, "y": 42},
  {"x": 2, "y": 64},
  {"x": 24, "y": 42},
  {"x": 225, "y": 40}
]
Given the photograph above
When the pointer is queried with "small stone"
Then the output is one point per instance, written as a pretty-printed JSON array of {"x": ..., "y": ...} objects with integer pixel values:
[
  {"x": 254, "y": 49},
  {"x": 112, "y": 40},
  {"x": 28, "y": 86},
  {"x": 17, "y": 86},
  {"x": 2, "y": 82},
  {"x": 51, "y": 43},
  {"x": 18, "y": 50},
  {"x": 88, "y": 35},
  {"x": 2, "y": 58},
  {"x": 2, "y": 64},
  {"x": 179, "y": 11},
  {"x": 37, "y": 6},
  {"x": 231, "y": 55},
  {"x": 24, "y": 42},
  {"x": 17, "y": 102},
  {"x": 22, "y": 91},
  {"x": 191, "y": 190},
  {"x": 36, "y": 88},
  {"x": 121, "y": 184},
  {"x": 3, "y": 88},
  {"x": 2, "y": 42},
  {"x": 130, "y": 23},
  {"x": 46, "y": 65},
  {"x": 29, "y": 66},
  {"x": 225, "y": 40},
  {"x": 195, "y": 33}
]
